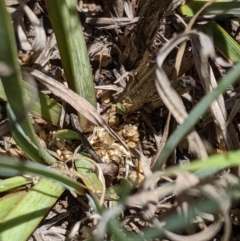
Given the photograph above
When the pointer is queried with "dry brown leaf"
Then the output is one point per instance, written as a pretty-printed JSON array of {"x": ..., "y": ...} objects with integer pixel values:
[
  {"x": 142, "y": 199},
  {"x": 189, "y": 27}
]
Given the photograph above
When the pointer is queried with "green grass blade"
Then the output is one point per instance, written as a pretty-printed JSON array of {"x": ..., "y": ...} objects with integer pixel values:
[
  {"x": 215, "y": 162},
  {"x": 88, "y": 172},
  {"x": 222, "y": 40},
  {"x": 12, "y": 83},
  {"x": 12, "y": 167},
  {"x": 36, "y": 153},
  {"x": 43, "y": 106},
  {"x": 66, "y": 135},
  {"x": 22, "y": 140},
  {"x": 8, "y": 202},
  {"x": 73, "y": 51},
  {"x": 28, "y": 213},
  {"x": 200, "y": 109},
  {"x": 8, "y": 55},
  {"x": 229, "y": 48},
  {"x": 13, "y": 183},
  {"x": 219, "y": 7}
]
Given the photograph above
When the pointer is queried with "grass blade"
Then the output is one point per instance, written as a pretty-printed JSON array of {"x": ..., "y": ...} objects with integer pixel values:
[
  {"x": 12, "y": 82},
  {"x": 22, "y": 140},
  {"x": 85, "y": 167},
  {"x": 228, "y": 47},
  {"x": 73, "y": 51},
  {"x": 13, "y": 167},
  {"x": 27, "y": 214},
  {"x": 43, "y": 106},
  {"x": 200, "y": 109},
  {"x": 13, "y": 183},
  {"x": 219, "y": 7},
  {"x": 215, "y": 162},
  {"x": 66, "y": 134},
  {"x": 8, "y": 202}
]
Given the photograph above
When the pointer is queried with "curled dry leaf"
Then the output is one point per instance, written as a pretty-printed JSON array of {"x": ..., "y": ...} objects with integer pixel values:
[{"x": 171, "y": 103}]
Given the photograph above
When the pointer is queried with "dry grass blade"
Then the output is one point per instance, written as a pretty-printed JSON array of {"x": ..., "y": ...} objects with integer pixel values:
[
  {"x": 106, "y": 218},
  {"x": 203, "y": 105},
  {"x": 11, "y": 2},
  {"x": 218, "y": 109},
  {"x": 220, "y": 195},
  {"x": 189, "y": 27},
  {"x": 215, "y": 192},
  {"x": 172, "y": 100},
  {"x": 164, "y": 138},
  {"x": 142, "y": 199}
]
